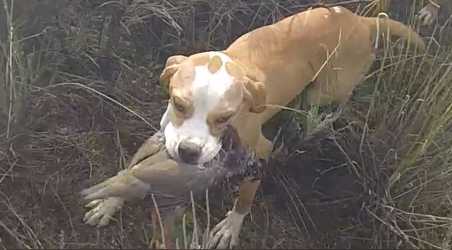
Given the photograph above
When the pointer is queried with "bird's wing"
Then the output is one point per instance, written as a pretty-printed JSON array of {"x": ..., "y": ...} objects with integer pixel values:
[{"x": 151, "y": 146}]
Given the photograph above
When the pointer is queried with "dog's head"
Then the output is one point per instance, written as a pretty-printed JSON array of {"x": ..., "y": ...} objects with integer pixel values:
[{"x": 207, "y": 91}]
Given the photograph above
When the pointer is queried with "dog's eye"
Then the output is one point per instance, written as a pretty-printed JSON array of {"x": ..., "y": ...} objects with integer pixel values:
[
  {"x": 179, "y": 107},
  {"x": 223, "y": 119}
]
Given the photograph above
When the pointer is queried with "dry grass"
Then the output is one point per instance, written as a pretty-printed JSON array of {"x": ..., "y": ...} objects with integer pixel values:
[{"x": 79, "y": 93}]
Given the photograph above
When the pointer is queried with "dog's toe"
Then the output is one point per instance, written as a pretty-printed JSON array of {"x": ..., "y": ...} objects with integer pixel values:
[{"x": 226, "y": 233}]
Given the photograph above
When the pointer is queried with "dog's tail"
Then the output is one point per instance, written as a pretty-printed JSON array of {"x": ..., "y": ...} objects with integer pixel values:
[{"x": 382, "y": 25}]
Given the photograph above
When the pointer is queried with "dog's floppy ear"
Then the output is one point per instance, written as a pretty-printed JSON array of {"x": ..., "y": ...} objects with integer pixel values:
[
  {"x": 171, "y": 66},
  {"x": 255, "y": 95}
]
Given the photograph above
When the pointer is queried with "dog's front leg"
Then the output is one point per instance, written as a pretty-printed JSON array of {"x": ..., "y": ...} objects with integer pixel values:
[{"x": 226, "y": 233}]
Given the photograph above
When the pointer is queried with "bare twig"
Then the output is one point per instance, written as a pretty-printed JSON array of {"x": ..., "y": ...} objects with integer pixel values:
[
  {"x": 195, "y": 238},
  {"x": 106, "y": 97},
  {"x": 162, "y": 229},
  {"x": 9, "y": 66}
]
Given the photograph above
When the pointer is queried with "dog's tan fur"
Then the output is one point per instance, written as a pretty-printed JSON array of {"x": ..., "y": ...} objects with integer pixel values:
[{"x": 324, "y": 52}]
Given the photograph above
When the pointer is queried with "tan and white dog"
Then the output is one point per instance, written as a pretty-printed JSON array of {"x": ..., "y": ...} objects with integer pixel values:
[{"x": 323, "y": 52}]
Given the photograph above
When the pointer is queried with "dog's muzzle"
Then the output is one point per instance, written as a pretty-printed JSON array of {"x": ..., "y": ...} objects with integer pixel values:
[{"x": 189, "y": 150}]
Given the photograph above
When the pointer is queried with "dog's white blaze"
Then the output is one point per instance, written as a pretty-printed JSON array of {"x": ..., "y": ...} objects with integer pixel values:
[{"x": 207, "y": 89}]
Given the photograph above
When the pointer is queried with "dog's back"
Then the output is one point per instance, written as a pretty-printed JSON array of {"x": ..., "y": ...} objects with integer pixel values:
[{"x": 327, "y": 50}]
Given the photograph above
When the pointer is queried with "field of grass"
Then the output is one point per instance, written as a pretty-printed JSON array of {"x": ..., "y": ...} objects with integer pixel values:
[{"x": 79, "y": 93}]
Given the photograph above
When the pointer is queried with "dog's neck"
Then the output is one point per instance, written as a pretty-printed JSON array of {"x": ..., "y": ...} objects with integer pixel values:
[{"x": 247, "y": 64}]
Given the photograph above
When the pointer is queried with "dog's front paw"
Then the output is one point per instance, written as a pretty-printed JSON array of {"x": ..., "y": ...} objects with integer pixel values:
[
  {"x": 226, "y": 233},
  {"x": 102, "y": 210}
]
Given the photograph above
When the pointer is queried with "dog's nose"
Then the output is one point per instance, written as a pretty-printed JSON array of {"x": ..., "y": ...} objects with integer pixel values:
[{"x": 189, "y": 151}]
